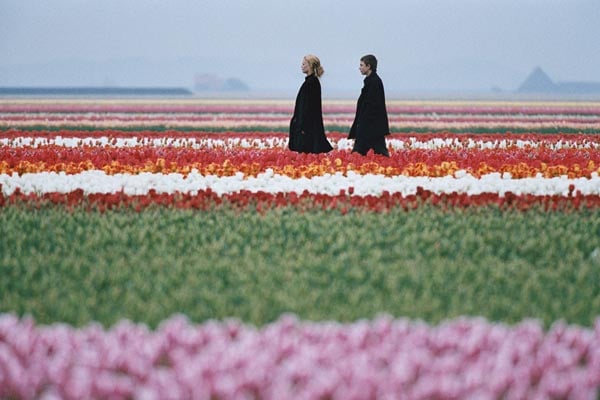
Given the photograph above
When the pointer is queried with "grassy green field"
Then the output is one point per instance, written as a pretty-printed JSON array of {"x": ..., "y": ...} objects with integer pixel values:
[{"x": 79, "y": 266}]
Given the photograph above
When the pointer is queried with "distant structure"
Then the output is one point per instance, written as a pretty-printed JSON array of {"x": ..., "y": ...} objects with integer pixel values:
[
  {"x": 212, "y": 83},
  {"x": 94, "y": 91},
  {"x": 539, "y": 82}
]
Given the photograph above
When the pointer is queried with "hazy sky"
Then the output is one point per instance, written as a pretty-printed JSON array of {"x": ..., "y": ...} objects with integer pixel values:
[{"x": 450, "y": 45}]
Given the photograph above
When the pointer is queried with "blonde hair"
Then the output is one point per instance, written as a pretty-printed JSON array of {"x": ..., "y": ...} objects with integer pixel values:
[{"x": 315, "y": 64}]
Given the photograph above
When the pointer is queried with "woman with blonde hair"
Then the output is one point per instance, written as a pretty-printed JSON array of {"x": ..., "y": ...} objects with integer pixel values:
[{"x": 307, "y": 133}]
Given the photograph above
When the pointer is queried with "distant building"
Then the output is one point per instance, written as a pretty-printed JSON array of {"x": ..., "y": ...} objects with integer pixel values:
[
  {"x": 539, "y": 82},
  {"x": 213, "y": 83},
  {"x": 235, "y": 85},
  {"x": 93, "y": 91}
]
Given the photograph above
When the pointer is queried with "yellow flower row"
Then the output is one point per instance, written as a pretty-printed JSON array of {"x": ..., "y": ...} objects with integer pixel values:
[{"x": 227, "y": 168}]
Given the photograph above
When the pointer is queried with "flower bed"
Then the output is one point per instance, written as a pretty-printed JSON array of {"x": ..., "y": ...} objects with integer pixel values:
[
  {"x": 451, "y": 169},
  {"x": 289, "y": 359},
  {"x": 404, "y": 116},
  {"x": 203, "y": 210}
]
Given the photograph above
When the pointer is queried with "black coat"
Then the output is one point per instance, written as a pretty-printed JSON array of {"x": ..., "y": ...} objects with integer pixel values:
[
  {"x": 307, "y": 133},
  {"x": 371, "y": 119}
]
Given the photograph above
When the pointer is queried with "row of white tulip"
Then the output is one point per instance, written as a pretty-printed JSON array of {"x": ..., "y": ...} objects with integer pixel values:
[
  {"x": 271, "y": 141},
  {"x": 97, "y": 181}
]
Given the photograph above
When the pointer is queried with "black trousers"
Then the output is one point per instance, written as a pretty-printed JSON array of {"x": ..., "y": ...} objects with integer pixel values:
[{"x": 362, "y": 146}]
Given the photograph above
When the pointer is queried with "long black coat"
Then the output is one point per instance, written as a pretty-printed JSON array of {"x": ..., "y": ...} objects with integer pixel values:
[
  {"x": 371, "y": 119},
  {"x": 307, "y": 133}
]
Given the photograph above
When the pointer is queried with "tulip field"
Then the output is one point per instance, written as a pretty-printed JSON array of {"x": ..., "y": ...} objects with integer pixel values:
[{"x": 176, "y": 249}]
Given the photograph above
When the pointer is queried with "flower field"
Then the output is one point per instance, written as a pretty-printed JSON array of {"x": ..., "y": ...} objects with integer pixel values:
[{"x": 177, "y": 249}]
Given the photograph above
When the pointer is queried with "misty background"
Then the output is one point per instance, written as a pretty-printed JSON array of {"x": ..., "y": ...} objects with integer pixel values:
[{"x": 423, "y": 46}]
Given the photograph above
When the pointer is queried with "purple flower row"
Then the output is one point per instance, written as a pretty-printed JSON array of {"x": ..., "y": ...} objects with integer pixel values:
[{"x": 379, "y": 358}]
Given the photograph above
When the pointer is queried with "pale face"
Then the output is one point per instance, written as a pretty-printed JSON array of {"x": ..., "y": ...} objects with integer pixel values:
[
  {"x": 305, "y": 67},
  {"x": 364, "y": 69}
]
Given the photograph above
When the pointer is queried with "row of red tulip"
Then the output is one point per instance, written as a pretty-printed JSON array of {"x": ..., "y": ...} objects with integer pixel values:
[
  {"x": 261, "y": 201},
  {"x": 520, "y": 163},
  {"x": 18, "y": 137}
]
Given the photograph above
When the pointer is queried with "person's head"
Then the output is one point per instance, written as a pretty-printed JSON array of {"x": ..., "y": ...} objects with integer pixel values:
[
  {"x": 368, "y": 64},
  {"x": 312, "y": 65}
]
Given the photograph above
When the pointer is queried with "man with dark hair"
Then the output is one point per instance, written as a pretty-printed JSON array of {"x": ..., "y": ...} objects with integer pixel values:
[{"x": 370, "y": 124}]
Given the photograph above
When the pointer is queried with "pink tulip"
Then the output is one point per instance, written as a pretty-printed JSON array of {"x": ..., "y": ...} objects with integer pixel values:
[{"x": 382, "y": 358}]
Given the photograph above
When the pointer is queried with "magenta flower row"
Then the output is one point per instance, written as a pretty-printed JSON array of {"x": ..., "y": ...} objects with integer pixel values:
[{"x": 292, "y": 359}]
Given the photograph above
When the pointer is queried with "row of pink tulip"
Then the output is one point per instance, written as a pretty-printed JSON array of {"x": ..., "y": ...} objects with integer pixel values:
[
  {"x": 292, "y": 359},
  {"x": 285, "y": 117},
  {"x": 395, "y": 124}
]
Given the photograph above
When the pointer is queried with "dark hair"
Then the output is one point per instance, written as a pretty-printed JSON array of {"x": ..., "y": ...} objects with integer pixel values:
[{"x": 371, "y": 61}]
